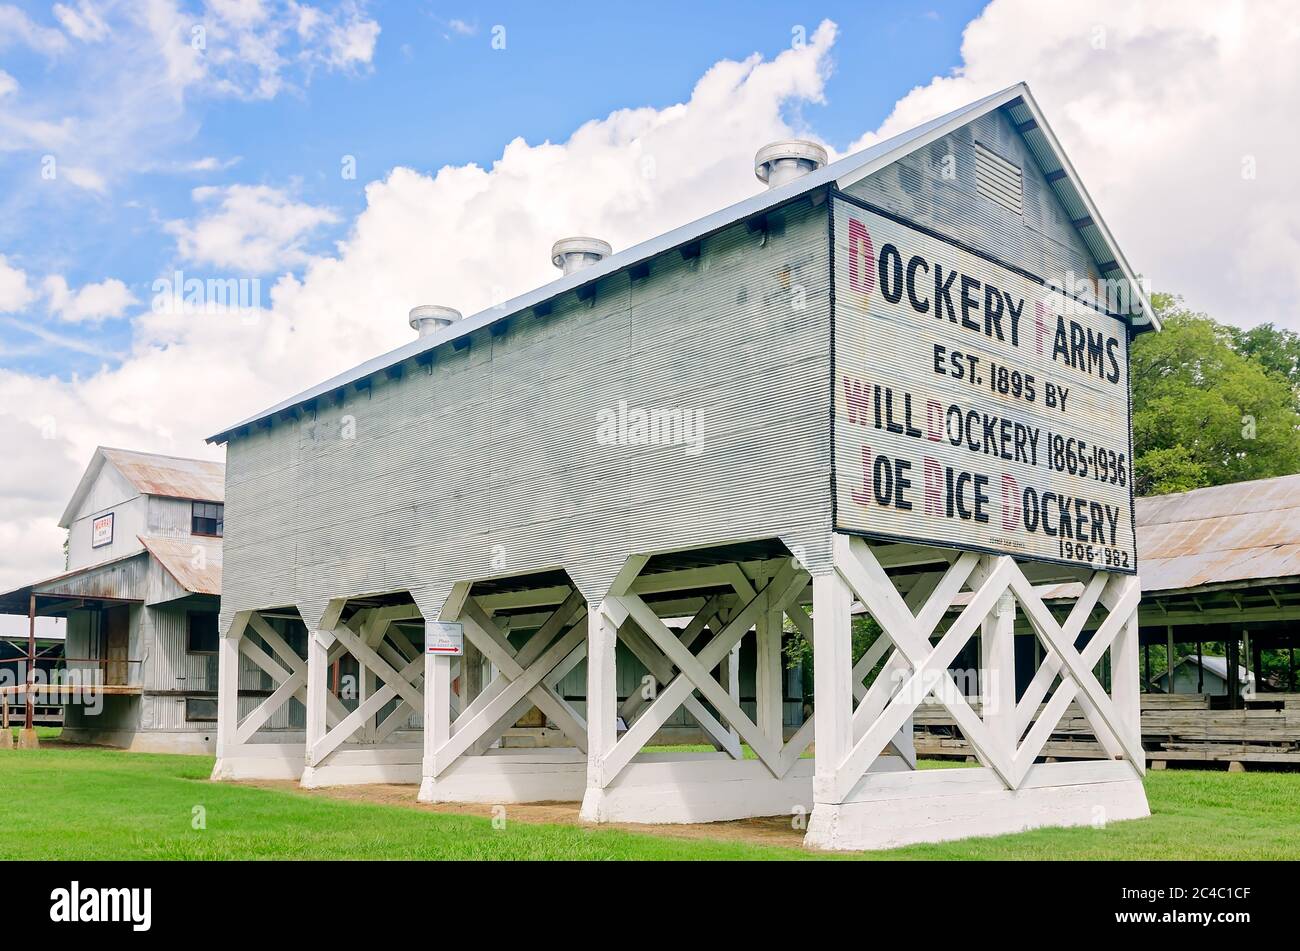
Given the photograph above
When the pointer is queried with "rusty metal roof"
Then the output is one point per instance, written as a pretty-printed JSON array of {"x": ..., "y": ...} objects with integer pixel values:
[
  {"x": 118, "y": 579},
  {"x": 194, "y": 561},
  {"x": 149, "y": 473},
  {"x": 1240, "y": 532},
  {"x": 170, "y": 476}
]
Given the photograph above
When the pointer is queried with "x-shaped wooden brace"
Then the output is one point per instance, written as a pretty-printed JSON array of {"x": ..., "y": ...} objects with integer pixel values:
[
  {"x": 911, "y": 634},
  {"x": 396, "y": 683},
  {"x": 872, "y": 699},
  {"x": 694, "y": 673},
  {"x": 520, "y": 673},
  {"x": 484, "y": 633},
  {"x": 661, "y": 669},
  {"x": 1077, "y": 678},
  {"x": 744, "y": 591},
  {"x": 289, "y": 683},
  {"x": 378, "y": 632}
]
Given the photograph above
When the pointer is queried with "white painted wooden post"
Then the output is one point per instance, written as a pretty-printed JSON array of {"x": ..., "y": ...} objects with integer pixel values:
[
  {"x": 832, "y": 682},
  {"x": 602, "y": 684},
  {"x": 767, "y": 674},
  {"x": 228, "y": 685},
  {"x": 1126, "y": 684},
  {"x": 730, "y": 671},
  {"x": 997, "y": 675},
  {"x": 437, "y": 716},
  {"x": 318, "y": 647},
  {"x": 602, "y": 700}
]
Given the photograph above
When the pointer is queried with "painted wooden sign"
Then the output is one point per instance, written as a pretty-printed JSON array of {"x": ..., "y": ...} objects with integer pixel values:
[
  {"x": 976, "y": 406},
  {"x": 444, "y": 637},
  {"x": 101, "y": 531}
]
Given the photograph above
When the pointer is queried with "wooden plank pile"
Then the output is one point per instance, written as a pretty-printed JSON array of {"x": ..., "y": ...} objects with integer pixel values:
[{"x": 1174, "y": 727}]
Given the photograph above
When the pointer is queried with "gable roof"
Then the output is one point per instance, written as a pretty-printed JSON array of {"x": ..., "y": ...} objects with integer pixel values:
[
  {"x": 1214, "y": 664},
  {"x": 1219, "y": 667},
  {"x": 148, "y": 473},
  {"x": 841, "y": 173}
]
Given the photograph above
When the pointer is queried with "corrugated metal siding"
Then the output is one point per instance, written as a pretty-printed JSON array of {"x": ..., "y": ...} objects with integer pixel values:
[
  {"x": 496, "y": 447},
  {"x": 125, "y": 579},
  {"x": 168, "y": 665},
  {"x": 128, "y": 524},
  {"x": 169, "y": 517},
  {"x": 1040, "y": 239}
]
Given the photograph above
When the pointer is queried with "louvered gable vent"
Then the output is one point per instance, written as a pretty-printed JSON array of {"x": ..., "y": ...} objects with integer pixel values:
[{"x": 998, "y": 180}]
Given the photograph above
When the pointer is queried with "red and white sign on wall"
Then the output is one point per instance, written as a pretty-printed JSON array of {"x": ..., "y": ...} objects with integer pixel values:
[
  {"x": 975, "y": 406},
  {"x": 101, "y": 531}
]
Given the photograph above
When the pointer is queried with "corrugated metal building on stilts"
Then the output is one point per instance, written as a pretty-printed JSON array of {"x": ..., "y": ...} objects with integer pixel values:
[
  {"x": 141, "y": 598},
  {"x": 684, "y": 447}
]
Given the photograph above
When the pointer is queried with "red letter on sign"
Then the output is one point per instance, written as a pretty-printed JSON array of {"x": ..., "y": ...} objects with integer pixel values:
[
  {"x": 933, "y": 421},
  {"x": 933, "y": 486},
  {"x": 863, "y": 496},
  {"x": 858, "y": 400},
  {"x": 861, "y": 251},
  {"x": 1010, "y": 502}
]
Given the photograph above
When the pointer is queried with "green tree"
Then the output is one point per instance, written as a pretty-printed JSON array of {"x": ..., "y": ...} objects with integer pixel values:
[
  {"x": 1209, "y": 409},
  {"x": 1275, "y": 349}
]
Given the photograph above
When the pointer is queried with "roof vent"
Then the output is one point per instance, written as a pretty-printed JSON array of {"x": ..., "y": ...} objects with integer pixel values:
[
  {"x": 430, "y": 318},
  {"x": 779, "y": 162},
  {"x": 998, "y": 180},
  {"x": 573, "y": 254}
]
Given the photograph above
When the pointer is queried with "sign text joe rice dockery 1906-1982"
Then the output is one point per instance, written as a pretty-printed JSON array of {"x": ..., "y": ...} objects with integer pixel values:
[{"x": 975, "y": 407}]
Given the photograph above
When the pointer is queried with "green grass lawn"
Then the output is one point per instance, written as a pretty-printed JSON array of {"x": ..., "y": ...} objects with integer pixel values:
[{"x": 102, "y": 804}]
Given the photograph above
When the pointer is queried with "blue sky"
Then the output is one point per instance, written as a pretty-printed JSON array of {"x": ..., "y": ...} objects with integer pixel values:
[
  {"x": 434, "y": 92},
  {"x": 142, "y": 137}
]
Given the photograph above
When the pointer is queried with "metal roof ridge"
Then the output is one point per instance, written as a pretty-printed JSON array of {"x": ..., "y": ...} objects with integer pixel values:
[{"x": 881, "y": 152}]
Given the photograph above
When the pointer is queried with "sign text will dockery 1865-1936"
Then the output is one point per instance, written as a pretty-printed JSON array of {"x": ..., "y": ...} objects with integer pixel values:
[{"x": 975, "y": 407}]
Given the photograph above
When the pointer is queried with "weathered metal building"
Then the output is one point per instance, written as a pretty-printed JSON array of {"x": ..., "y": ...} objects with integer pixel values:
[
  {"x": 141, "y": 599},
  {"x": 644, "y": 453}
]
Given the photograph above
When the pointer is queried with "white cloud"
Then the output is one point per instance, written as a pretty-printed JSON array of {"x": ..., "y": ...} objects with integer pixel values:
[
  {"x": 241, "y": 13},
  {"x": 1162, "y": 106},
  {"x": 249, "y": 50},
  {"x": 17, "y": 28},
  {"x": 15, "y": 294},
  {"x": 1157, "y": 123},
  {"x": 84, "y": 177},
  {"x": 90, "y": 302},
  {"x": 352, "y": 44},
  {"x": 209, "y": 163},
  {"x": 127, "y": 107},
  {"x": 84, "y": 22},
  {"x": 466, "y": 236},
  {"x": 254, "y": 229}
]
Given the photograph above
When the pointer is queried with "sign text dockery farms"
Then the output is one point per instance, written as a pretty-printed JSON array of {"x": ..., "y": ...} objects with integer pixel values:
[{"x": 975, "y": 407}]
